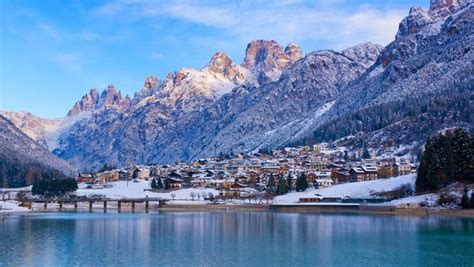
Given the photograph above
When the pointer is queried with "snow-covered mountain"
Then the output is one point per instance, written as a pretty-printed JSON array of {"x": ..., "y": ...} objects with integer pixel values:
[
  {"x": 250, "y": 118},
  {"x": 421, "y": 83},
  {"x": 22, "y": 160},
  {"x": 397, "y": 95},
  {"x": 164, "y": 108},
  {"x": 223, "y": 107},
  {"x": 44, "y": 131}
]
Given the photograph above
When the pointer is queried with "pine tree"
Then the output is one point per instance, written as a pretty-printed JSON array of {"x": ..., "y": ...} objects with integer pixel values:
[
  {"x": 447, "y": 157},
  {"x": 271, "y": 187},
  {"x": 463, "y": 152},
  {"x": 465, "y": 199},
  {"x": 301, "y": 183},
  {"x": 159, "y": 184},
  {"x": 346, "y": 155},
  {"x": 471, "y": 202},
  {"x": 167, "y": 184},
  {"x": 365, "y": 153},
  {"x": 153, "y": 184},
  {"x": 282, "y": 187},
  {"x": 289, "y": 183}
]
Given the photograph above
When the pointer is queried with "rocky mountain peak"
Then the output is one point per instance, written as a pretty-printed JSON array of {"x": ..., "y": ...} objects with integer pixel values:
[
  {"x": 266, "y": 59},
  {"x": 87, "y": 103},
  {"x": 419, "y": 18},
  {"x": 150, "y": 82},
  {"x": 222, "y": 64},
  {"x": 176, "y": 77},
  {"x": 294, "y": 52},
  {"x": 110, "y": 97},
  {"x": 150, "y": 86},
  {"x": 365, "y": 53},
  {"x": 92, "y": 101},
  {"x": 416, "y": 19},
  {"x": 126, "y": 103},
  {"x": 443, "y": 8}
]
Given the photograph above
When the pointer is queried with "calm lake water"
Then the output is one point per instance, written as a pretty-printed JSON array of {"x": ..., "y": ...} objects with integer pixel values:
[{"x": 234, "y": 239}]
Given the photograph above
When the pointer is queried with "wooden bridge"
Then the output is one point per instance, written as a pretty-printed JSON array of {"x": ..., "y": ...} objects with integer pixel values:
[{"x": 75, "y": 201}]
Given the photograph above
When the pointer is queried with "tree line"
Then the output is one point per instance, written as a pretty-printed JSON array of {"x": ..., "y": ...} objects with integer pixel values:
[
  {"x": 54, "y": 187},
  {"x": 285, "y": 185},
  {"x": 448, "y": 157},
  {"x": 157, "y": 183},
  {"x": 425, "y": 115},
  {"x": 20, "y": 175}
]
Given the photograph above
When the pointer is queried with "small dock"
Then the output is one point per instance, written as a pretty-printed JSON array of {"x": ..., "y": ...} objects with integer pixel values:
[{"x": 74, "y": 202}]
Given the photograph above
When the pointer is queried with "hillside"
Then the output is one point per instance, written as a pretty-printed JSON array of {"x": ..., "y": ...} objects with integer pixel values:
[
  {"x": 23, "y": 161},
  {"x": 420, "y": 84}
]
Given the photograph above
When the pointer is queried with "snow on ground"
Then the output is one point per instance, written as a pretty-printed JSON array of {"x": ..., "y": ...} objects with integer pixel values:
[
  {"x": 17, "y": 189},
  {"x": 11, "y": 206},
  {"x": 429, "y": 199},
  {"x": 137, "y": 190},
  {"x": 353, "y": 190}
]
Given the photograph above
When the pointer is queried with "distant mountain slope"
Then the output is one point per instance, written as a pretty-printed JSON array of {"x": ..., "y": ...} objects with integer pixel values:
[
  {"x": 162, "y": 109},
  {"x": 421, "y": 83},
  {"x": 250, "y": 118},
  {"x": 44, "y": 131},
  {"x": 22, "y": 160}
]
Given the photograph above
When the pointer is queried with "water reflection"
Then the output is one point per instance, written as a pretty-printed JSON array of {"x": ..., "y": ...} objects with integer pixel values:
[{"x": 228, "y": 238}]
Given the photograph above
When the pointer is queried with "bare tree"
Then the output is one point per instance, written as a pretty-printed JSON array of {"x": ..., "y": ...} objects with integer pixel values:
[
  {"x": 203, "y": 194},
  {"x": 193, "y": 195},
  {"x": 173, "y": 195}
]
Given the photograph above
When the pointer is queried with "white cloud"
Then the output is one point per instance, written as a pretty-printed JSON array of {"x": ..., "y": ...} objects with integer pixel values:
[
  {"x": 156, "y": 55},
  {"x": 67, "y": 60},
  {"x": 50, "y": 31},
  {"x": 91, "y": 36},
  {"x": 334, "y": 23}
]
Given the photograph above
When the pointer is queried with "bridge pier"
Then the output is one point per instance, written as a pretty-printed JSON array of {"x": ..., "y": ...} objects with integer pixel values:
[{"x": 75, "y": 201}]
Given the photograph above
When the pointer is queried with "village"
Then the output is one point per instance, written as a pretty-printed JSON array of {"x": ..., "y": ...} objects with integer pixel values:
[{"x": 240, "y": 175}]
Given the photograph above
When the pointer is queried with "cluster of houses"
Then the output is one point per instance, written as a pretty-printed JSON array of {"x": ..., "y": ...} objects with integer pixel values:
[{"x": 322, "y": 166}]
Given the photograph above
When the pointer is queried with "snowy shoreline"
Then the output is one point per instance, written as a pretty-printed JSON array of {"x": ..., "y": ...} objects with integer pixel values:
[{"x": 195, "y": 199}]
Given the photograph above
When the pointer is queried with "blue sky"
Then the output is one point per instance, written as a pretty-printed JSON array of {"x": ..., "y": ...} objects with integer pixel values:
[{"x": 53, "y": 52}]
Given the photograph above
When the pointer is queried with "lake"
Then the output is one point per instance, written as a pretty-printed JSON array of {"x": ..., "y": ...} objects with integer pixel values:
[{"x": 234, "y": 239}]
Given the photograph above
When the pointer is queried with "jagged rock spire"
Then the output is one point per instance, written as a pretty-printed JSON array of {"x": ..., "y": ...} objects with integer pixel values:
[
  {"x": 267, "y": 59},
  {"x": 221, "y": 63}
]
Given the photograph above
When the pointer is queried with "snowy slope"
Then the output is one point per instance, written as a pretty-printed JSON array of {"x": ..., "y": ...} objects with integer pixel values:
[
  {"x": 44, "y": 131},
  {"x": 137, "y": 190},
  {"x": 353, "y": 190},
  {"x": 11, "y": 206}
]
